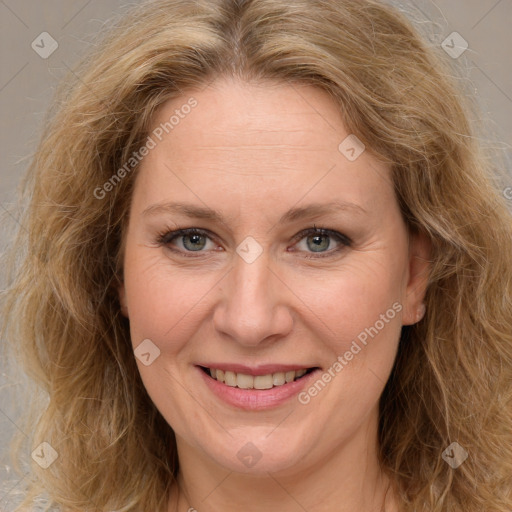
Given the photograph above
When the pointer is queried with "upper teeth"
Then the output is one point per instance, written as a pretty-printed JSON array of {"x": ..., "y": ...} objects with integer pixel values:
[{"x": 244, "y": 381}]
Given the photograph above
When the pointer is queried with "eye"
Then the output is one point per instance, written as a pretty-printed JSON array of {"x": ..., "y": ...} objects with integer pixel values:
[
  {"x": 317, "y": 240},
  {"x": 192, "y": 239}
]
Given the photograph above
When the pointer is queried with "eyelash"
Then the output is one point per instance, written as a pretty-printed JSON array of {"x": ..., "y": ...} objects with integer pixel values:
[{"x": 165, "y": 237}]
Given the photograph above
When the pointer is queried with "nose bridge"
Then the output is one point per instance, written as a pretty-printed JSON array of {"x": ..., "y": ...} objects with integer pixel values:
[{"x": 252, "y": 308}]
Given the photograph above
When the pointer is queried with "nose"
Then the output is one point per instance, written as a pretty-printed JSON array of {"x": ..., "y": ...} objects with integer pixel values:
[{"x": 253, "y": 308}]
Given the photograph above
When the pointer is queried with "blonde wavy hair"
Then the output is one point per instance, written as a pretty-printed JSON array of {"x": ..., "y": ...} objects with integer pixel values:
[{"x": 452, "y": 377}]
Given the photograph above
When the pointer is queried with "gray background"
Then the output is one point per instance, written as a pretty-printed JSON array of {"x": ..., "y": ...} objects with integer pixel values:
[{"x": 27, "y": 82}]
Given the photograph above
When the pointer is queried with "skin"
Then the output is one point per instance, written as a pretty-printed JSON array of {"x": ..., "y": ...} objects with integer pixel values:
[{"x": 252, "y": 152}]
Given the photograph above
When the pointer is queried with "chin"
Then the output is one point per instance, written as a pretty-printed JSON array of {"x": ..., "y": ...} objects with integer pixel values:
[{"x": 261, "y": 455}]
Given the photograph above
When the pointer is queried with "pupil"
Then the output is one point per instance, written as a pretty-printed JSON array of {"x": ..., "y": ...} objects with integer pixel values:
[
  {"x": 317, "y": 241},
  {"x": 195, "y": 239}
]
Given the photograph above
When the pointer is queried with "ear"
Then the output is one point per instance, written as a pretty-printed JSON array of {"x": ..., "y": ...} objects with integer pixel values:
[
  {"x": 121, "y": 290},
  {"x": 420, "y": 265}
]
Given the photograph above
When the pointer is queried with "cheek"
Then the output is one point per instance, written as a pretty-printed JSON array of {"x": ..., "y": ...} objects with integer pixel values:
[
  {"x": 164, "y": 303},
  {"x": 353, "y": 298},
  {"x": 357, "y": 313}
]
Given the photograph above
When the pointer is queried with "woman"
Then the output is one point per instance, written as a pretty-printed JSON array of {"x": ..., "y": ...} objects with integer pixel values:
[{"x": 268, "y": 270}]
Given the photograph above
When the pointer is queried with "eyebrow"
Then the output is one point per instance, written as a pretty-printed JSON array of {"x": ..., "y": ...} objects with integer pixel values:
[{"x": 294, "y": 214}]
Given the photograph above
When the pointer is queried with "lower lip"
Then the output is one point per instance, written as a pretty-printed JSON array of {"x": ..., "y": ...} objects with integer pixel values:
[{"x": 257, "y": 399}]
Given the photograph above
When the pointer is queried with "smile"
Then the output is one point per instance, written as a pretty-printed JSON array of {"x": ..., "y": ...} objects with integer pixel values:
[
  {"x": 271, "y": 388},
  {"x": 244, "y": 381}
]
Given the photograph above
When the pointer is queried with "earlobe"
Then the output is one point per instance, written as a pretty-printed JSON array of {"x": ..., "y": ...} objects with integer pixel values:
[
  {"x": 420, "y": 312},
  {"x": 419, "y": 270}
]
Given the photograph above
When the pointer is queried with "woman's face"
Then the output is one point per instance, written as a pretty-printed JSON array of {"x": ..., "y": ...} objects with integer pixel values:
[{"x": 257, "y": 294}]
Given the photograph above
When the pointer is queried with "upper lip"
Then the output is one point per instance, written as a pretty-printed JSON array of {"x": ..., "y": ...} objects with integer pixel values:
[{"x": 263, "y": 369}]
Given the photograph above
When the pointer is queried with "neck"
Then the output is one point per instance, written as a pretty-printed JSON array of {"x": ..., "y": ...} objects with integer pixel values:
[
  {"x": 349, "y": 478},
  {"x": 384, "y": 500}
]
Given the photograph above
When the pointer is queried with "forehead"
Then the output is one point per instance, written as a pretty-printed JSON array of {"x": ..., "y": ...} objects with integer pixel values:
[
  {"x": 242, "y": 140},
  {"x": 251, "y": 115}
]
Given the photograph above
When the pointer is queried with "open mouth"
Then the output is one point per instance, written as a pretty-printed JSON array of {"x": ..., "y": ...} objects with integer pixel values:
[{"x": 244, "y": 381}]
